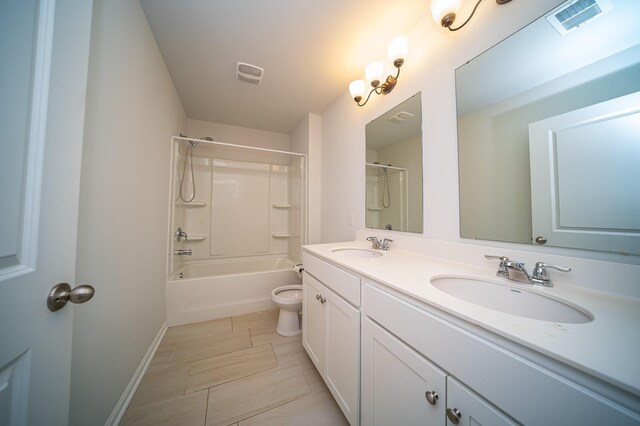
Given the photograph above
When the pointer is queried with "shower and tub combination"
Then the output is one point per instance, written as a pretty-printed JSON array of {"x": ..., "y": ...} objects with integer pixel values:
[{"x": 236, "y": 228}]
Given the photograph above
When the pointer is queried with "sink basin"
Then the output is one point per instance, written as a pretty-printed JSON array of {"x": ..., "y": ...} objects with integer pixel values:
[
  {"x": 356, "y": 252},
  {"x": 510, "y": 300}
]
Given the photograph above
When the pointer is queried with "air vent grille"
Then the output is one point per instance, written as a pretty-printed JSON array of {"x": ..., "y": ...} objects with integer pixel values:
[
  {"x": 400, "y": 117},
  {"x": 574, "y": 13},
  {"x": 249, "y": 73}
]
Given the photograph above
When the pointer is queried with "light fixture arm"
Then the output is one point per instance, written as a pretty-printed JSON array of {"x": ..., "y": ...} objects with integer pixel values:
[
  {"x": 465, "y": 22},
  {"x": 386, "y": 87},
  {"x": 448, "y": 19}
]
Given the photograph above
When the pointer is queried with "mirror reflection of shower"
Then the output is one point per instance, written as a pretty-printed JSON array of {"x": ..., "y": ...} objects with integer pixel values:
[
  {"x": 385, "y": 189},
  {"x": 183, "y": 161}
]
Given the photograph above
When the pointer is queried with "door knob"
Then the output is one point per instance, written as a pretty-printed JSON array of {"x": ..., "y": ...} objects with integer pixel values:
[{"x": 62, "y": 293}]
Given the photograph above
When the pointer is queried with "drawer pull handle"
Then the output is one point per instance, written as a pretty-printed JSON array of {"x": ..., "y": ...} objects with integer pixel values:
[
  {"x": 432, "y": 397},
  {"x": 454, "y": 415}
]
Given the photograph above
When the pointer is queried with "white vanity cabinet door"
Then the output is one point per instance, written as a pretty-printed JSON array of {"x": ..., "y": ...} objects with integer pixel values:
[
  {"x": 472, "y": 409},
  {"x": 331, "y": 336},
  {"x": 342, "y": 353},
  {"x": 313, "y": 321},
  {"x": 395, "y": 382}
]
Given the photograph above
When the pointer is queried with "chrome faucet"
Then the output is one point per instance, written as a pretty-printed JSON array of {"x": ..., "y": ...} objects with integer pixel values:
[
  {"x": 183, "y": 252},
  {"x": 380, "y": 245},
  {"x": 516, "y": 271},
  {"x": 180, "y": 234}
]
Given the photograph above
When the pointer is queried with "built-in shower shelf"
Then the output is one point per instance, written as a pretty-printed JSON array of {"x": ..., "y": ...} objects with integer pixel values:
[
  {"x": 281, "y": 206},
  {"x": 192, "y": 238},
  {"x": 192, "y": 204},
  {"x": 374, "y": 209},
  {"x": 281, "y": 235}
]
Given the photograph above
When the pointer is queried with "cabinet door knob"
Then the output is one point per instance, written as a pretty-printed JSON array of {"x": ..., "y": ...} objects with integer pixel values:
[
  {"x": 432, "y": 397},
  {"x": 317, "y": 297},
  {"x": 454, "y": 415},
  {"x": 322, "y": 300}
]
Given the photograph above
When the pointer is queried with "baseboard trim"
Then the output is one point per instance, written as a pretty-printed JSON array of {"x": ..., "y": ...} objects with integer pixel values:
[{"x": 120, "y": 408}]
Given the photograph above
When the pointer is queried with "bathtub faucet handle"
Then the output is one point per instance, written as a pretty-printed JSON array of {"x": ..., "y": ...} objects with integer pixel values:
[{"x": 180, "y": 234}]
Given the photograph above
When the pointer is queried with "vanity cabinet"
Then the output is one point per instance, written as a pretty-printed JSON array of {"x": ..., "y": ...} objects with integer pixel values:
[
  {"x": 409, "y": 349},
  {"x": 331, "y": 330},
  {"x": 400, "y": 386}
]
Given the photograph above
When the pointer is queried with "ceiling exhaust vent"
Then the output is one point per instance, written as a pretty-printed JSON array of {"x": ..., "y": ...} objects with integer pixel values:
[
  {"x": 400, "y": 117},
  {"x": 249, "y": 73},
  {"x": 574, "y": 13}
]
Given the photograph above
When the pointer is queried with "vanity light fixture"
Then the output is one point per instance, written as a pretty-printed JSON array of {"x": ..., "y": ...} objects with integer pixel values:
[
  {"x": 396, "y": 51},
  {"x": 444, "y": 12}
]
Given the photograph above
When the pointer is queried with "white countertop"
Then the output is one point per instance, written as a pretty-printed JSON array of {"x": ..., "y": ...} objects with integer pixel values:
[{"x": 607, "y": 347}]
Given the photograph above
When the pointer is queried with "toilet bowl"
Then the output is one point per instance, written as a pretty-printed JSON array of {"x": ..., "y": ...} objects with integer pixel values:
[{"x": 289, "y": 300}]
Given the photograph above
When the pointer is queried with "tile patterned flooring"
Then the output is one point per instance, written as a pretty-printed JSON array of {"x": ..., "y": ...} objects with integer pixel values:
[{"x": 232, "y": 371}]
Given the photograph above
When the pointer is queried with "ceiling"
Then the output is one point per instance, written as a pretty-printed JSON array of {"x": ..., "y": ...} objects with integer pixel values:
[{"x": 310, "y": 51}]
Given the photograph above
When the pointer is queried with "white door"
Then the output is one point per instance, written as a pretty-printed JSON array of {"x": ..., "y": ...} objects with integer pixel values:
[
  {"x": 44, "y": 51},
  {"x": 585, "y": 179}
]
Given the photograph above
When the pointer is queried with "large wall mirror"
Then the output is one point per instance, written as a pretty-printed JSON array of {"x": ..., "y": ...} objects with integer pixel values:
[
  {"x": 394, "y": 169},
  {"x": 549, "y": 131}
]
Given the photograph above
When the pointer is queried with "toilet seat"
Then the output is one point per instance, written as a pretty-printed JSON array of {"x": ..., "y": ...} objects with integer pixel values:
[{"x": 288, "y": 294}]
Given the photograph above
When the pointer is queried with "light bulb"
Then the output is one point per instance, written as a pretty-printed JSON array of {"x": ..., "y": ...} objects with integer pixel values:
[
  {"x": 441, "y": 8},
  {"x": 356, "y": 88},
  {"x": 398, "y": 48},
  {"x": 373, "y": 72}
]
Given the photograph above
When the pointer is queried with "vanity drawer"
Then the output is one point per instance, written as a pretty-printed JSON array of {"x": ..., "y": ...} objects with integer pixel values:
[
  {"x": 530, "y": 393},
  {"x": 340, "y": 281}
]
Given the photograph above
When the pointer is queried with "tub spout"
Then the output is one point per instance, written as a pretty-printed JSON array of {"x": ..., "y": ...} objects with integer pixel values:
[{"x": 181, "y": 252}]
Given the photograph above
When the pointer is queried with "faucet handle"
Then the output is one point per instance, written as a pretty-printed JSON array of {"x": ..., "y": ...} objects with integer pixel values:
[
  {"x": 540, "y": 274},
  {"x": 556, "y": 267},
  {"x": 375, "y": 242},
  {"x": 502, "y": 268},
  {"x": 385, "y": 243},
  {"x": 492, "y": 257}
]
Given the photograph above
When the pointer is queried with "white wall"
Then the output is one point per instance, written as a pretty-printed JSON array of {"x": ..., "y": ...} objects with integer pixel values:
[
  {"x": 306, "y": 138},
  {"x": 132, "y": 112},
  {"x": 433, "y": 57}
]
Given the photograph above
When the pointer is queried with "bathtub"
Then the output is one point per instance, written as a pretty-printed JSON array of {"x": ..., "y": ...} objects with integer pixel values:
[{"x": 204, "y": 291}]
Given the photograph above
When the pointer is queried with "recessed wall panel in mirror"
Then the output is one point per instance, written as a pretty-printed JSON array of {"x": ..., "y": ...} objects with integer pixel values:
[
  {"x": 549, "y": 123},
  {"x": 394, "y": 169}
]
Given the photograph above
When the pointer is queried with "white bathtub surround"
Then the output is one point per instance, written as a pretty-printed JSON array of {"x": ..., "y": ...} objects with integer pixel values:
[
  {"x": 602, "y": 353},
  {"x": 225, "y": 287},
  {"x": 241, "y": 208}
]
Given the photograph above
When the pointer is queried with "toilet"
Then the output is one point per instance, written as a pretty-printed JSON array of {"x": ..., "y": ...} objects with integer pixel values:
[{"x": 289, "y": 300}]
